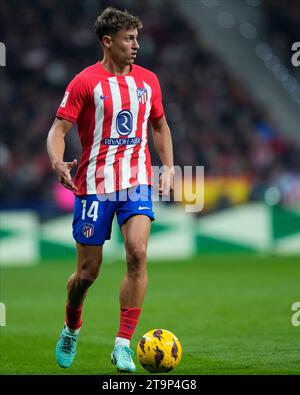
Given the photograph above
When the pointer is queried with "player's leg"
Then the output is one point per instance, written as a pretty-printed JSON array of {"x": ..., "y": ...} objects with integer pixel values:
[
  {"x": 133, "y": 288},
  {"x": 136, "y": 235},
  {"x": 91, "y": 227},
  {"x": 89, "y": 259}
]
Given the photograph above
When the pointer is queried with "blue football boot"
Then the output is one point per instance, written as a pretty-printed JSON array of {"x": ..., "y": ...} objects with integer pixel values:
[
  {"x": 66, "y": 349},
  {"x": 122, "y": 358}
]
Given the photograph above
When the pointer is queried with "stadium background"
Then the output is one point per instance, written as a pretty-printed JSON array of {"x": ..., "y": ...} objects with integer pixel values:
[{"x": 223, "y": 280}]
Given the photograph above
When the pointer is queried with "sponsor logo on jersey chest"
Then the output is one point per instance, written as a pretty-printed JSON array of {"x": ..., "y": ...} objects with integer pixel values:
[{"x": 124, "y": 122}]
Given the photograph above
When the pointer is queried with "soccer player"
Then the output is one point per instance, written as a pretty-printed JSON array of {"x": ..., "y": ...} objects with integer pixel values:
[{"x": 111, "y": 102}]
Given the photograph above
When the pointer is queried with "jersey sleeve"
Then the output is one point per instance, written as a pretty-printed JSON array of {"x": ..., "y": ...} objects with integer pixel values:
[
  {"x": 73, "y": 100},
  {"x": 157, "y": 110}
]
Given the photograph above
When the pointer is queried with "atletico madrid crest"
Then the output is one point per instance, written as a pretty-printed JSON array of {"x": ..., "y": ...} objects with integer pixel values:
[
  {"x": 142, "y": 95},
  {"x": 88, "y": 230}
]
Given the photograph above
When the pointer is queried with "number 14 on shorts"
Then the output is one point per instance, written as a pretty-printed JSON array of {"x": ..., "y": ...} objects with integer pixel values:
[{"x": 92, "y": 211}]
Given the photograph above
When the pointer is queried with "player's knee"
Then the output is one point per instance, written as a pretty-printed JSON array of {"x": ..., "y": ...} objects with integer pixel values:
[
  {"x": 86, "y": 278},
  {"x": 88, "y": 273},
  {"x": 136, "y": 257}
]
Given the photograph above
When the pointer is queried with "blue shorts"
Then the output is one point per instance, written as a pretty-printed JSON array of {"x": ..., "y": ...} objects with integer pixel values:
[{"x": 93, "y": 214}]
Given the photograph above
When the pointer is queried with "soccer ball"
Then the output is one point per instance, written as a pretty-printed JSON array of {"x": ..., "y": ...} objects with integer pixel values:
[{"x": 159, "y": 350}]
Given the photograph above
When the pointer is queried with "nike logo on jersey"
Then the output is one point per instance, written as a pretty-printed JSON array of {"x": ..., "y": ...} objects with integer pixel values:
[
  {"x": 104, "y": 97},
  {"x": 144, "y": 208}
]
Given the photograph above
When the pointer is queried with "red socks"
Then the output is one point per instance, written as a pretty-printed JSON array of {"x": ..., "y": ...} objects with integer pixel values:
[
  {"x": 129, "y": 317},
  {"x": 73, "y": 317}
]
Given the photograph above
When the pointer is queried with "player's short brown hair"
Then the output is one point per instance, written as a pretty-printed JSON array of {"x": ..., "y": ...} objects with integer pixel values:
[{"x": 112, "y": 20}]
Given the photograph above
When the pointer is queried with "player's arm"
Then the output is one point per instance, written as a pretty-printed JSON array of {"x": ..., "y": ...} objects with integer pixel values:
[
  {"x": 163, "y": 145},
  {"x": 56, "y": 149}
]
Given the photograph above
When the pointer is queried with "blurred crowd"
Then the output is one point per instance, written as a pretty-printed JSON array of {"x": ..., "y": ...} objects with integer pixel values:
[{"x": 214, "y": 120}]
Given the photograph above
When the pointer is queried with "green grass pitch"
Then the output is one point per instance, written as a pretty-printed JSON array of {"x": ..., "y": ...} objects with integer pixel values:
[{"x": 231, "y": 314}]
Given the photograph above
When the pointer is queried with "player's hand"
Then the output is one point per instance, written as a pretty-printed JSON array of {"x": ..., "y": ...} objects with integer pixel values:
[
  {"x": 166, "y": 181},
  {"x": 63, "y": 171}
]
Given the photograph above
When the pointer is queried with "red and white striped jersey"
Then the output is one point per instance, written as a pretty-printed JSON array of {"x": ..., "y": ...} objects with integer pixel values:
[{"x": 112, "y": 114}]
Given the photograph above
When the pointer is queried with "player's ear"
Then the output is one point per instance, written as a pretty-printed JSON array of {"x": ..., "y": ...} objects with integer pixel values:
[{"x": 106, "y": 41}]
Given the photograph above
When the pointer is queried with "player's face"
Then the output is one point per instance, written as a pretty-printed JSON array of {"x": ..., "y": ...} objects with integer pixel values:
[{"x": 124, "y": 47}]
